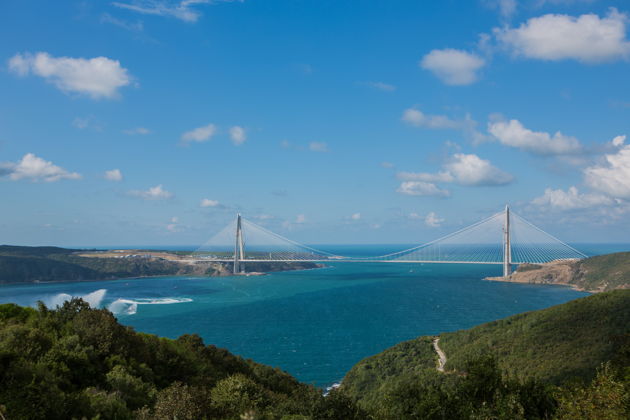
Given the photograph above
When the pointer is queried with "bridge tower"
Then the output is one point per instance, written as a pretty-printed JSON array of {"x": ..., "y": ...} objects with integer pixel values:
[
  {"x": 507, "y": 247},
  {"x": 239, "y": 256}
]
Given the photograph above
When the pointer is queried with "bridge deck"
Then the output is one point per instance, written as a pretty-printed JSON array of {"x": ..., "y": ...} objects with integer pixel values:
[{"x": 361, "y": 260}]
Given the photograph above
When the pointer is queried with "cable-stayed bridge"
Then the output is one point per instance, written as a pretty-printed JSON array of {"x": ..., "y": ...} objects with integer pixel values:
[{"x": 504, "y": 238}]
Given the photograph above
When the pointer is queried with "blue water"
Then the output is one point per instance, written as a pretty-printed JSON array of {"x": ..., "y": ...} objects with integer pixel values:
[{"x": 315, "y": 324}]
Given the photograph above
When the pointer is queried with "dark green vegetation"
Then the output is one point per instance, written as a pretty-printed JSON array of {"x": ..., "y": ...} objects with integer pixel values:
[
  {"x": 77, "y": 362},
  {"x": 604, "y": 272},
  {"x": 536, "y": 365},
  {"x": 20, "y": 264}
]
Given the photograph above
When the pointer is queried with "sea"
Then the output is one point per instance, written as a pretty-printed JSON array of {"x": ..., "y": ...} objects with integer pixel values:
[{"x": 314, "y": 324}]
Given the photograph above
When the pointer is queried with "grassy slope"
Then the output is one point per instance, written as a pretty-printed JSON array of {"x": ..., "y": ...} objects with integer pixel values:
[
  {"x": 552, "y": 344},
  {"x": 606, "y": 271}
]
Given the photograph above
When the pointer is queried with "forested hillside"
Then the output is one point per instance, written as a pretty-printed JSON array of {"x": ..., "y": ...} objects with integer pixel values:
[
  {"x": 522, "y": 359},
  {"x": 78, "y": 362}
]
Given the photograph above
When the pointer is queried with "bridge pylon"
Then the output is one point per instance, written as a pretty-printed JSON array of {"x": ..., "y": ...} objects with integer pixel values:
[
  {"x": 507, "y": 246},
  {"x": 239, "y": 255}
]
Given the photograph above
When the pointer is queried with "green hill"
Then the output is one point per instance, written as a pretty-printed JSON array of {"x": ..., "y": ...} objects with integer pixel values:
[
  {"x": 78, "y": 362},
  {"x": 549, "y": 346},
  {"x": 604, "y": 272}
]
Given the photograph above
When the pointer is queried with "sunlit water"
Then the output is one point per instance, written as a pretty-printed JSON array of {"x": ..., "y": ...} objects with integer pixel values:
[{"x": 315, "y": 324}]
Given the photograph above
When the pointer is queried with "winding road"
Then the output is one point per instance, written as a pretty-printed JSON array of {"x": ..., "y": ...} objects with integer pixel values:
[{"x": 441, "y": 354}]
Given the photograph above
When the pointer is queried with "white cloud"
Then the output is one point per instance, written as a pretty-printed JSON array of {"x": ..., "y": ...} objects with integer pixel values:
[
  {"x": 138, "y": 130},
  {"x": 618, "y": 141},
  {"x": 238, "y": 135},
  {"x": 153, "y": 193},
  {"x": 462, "y": 169},
  {"x": 113, "y": 175},
  {"x": 432, "y": 220},
  {"x": 133, "y": 27},
  {"x": 472, "y": 170},
  {"x": 316, "y": 146},
  {"x": 421, "y": 188},
  {"x": 98, "y": 77},
  {"x": 513, "y": 133},
  {"x": 35, "y": 169},
  {"x": 453, "y": 67},
  {"x": 587, "y": 38},
  {"x": 387, "y": 165},
  {"x": 356, "y": 216},
  {"x": 570, "y": 199},
  {"x": 300, "y": 218},
  {"x": 384, "y": 87},
  {"x": 182, "y": 10},
  {"x": 417, "y": 118},
  {"x": 199, "y": 134},
  {"x": 206, "y": 202},
  {"x": 612, "y": 176}
]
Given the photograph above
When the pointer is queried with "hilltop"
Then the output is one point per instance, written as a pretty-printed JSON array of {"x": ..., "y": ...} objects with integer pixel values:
[
  {"x": 549, "y": 346},
  {"x": 594, "y": 274}
]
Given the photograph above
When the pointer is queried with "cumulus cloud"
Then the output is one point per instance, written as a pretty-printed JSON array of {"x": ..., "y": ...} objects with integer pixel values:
[
  {"x": 35, "y": 169},
  {"x": 238, "y": 135},
  {"x": 206, "y": 202},
  {"x": 618, "y": 141},
  {"x": 113, "y": 175},
  {"x": 587, "y": 38},
  {"x": 316, "y": 146},
  {"x": 421, "y": 188},
  {"x": 153, "y": 193},
  {"x": 512, "y": 133},
  {"x": 182, "y": 10},
  {"x": 200, "y": 134},
  {"x": 98, "y": 77},
  {"x": 417, "y": 118},
  {"x": 432, "y": 220},
  {"x": 570, "y": 199},
  {"x": 356, "y": 216},
  {"x": 138, "y": 130},
  {"x": 453, "y": 67},
  {"x": 463, "y": 169},
  {"x": 612, "y": 176}
]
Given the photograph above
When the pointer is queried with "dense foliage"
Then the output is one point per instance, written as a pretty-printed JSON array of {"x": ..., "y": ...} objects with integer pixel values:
[
  {"x": 553, "y": 344},
  {"x": 75, "y": 362},
  {"x": 509, "y": 369}
]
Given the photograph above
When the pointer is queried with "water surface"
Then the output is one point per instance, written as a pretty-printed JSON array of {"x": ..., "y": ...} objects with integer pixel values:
[{"x": 315, "y": 324}]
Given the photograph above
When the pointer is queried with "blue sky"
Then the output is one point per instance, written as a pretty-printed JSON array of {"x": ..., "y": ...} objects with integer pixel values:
[{"x": 154, "y": 121}]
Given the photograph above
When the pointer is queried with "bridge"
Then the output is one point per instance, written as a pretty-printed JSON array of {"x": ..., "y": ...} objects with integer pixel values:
[{"x": 504, "y": 238}]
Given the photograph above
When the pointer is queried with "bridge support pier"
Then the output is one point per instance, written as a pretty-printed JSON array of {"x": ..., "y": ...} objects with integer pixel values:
[
  {"x": 507, "y": 247},
  {"x": 239, "y": 266}
]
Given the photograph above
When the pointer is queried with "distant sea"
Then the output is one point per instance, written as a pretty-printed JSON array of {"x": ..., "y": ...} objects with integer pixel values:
[{"x": 315, "y": 324}]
